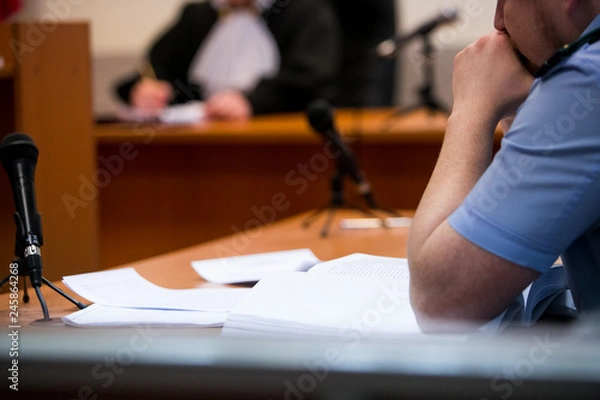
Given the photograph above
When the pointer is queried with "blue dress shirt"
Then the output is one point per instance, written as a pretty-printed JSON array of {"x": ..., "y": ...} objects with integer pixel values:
[{"x": 540, "y": 197}]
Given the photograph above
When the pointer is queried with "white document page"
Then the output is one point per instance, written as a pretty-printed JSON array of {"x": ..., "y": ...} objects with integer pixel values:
[
  {"x": 360, "y": 264},
  {"x": 97, "y": 315},
  {"x": 341, "y": 306},
  {"x": 126, "y": 288},
  {"x": 253, "y": 267},
  {"x": 187, "y": 113}
]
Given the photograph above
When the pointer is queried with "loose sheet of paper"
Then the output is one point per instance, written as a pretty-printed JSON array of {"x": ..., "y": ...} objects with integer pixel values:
[
  {"x": 253, "y": 267},
  {"x": 126, "y": 288},
  {"x": 187, "y": 113},
  {"x": 360, "y": 264},
  {"x": 97, "y": 315}
]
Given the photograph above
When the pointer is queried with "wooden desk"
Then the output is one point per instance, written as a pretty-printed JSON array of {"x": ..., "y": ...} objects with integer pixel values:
[
  {"x": 369, "y": 125},
  {"x": 173, "y": 270},
  {"x": 117, "y": 193},
  {"x": 177, "y": 186},
  {"x": 155, "y": 363}
]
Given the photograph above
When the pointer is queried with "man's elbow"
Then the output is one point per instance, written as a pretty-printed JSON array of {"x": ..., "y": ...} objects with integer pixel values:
[
  {"x": 430, "y": 315},
  {"x": 439, "y": 313},
  {"x": 425, "y": 298},
  {"x": 437, "y": 321}
]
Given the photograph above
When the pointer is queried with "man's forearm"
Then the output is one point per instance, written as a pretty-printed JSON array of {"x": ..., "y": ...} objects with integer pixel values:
[
  {"x": 466, "y": 153},
  {"x": 451, "y": 277},
  {"x": 489, "y": 83}
]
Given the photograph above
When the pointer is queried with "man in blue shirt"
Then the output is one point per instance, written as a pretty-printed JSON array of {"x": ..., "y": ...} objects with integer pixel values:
[{"x": 486, "y": 228}]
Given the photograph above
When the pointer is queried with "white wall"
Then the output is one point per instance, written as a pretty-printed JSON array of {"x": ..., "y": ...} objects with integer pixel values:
[
  {"x": 117, "y": 26},
  {"x": 121, "y": 30}
]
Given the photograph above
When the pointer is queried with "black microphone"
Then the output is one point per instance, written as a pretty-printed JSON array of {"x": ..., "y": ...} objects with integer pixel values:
[
  {"x": 19, "y": 155},
  {"x": 320, "y": 118},
  {"x": 390, "y": 47}
]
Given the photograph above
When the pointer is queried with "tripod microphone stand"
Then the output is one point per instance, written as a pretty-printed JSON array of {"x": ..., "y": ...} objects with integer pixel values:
[
  {"x": 20, "y": 268},
  {"x": 18, "y": 155},
  {"x": 321, "y": 119},
  {"x": 390, "y": 48},
  {"x": 337, "y": 202},
  {"x": 427, "y": 98}
]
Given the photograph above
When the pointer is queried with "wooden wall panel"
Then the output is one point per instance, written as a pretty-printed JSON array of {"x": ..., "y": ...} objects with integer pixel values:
[{"x": 173, "y": 196}]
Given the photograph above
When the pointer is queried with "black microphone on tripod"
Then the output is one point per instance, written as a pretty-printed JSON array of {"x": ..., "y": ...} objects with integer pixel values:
[
  {"x": 320, "y": 118},
  {"x": 389, "y": 48},
  {"x": 19, "y": 155}
]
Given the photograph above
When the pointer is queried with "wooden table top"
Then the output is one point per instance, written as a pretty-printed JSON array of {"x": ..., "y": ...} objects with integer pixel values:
[
  {"x": 173, "y": 270},
  {"x": 370, "y": 125},
  {"x": 60, "y": 359}
]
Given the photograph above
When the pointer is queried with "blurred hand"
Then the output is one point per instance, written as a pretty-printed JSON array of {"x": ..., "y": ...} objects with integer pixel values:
[
  {"x": 489, "y": 80},
  {"x": 228, "y": 105},
  {"x": 151, "y": 95}
]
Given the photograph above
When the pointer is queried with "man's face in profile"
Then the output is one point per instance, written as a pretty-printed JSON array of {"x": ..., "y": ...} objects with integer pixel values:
[{"x": 531, "y": 26}]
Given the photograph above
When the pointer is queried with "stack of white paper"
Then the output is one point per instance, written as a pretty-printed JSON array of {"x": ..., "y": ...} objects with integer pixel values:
[
  {"x": 363, "y": 296},
  {"x": 348, "y": 298},
  {"x": 97, "y": 315},
  {"x": 123, "y": 297}
]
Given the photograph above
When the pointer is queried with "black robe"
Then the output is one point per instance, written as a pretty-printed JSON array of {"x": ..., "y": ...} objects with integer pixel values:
[{"x": 308, "y": 37}]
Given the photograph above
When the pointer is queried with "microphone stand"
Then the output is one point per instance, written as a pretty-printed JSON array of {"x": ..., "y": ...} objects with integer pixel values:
[
  {"x": 427, "y": 99},
  {"x": 24, "y": 270},
  {"x": 337, "y": 201}
]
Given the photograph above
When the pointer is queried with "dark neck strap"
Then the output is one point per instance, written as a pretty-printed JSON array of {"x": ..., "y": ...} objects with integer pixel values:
[{"x": 567, "y": 51}]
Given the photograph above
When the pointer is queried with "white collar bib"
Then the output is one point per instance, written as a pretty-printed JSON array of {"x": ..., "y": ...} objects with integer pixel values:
[{"x": 238, "y": 51}]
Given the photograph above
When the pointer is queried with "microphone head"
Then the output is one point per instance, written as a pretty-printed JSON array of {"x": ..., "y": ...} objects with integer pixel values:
[
  {"x": 16, "y": 146},
  {"x": 387, "y": 48},
  {"x": 320, "y": 115},
  {"x": 449, "y": 14}
]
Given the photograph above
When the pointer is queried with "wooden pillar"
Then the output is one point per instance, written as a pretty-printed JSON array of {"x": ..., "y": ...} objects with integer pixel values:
[{"x": 46, "y": 94}]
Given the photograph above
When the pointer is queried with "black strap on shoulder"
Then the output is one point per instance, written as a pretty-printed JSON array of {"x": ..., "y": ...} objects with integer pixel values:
[{"x": 567, "y": 51}]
